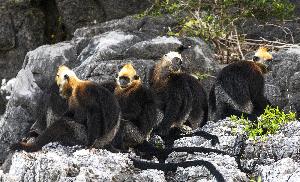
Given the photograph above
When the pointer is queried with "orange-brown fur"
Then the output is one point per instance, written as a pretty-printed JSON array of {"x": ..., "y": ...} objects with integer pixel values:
[
  {"x": 159, "y": 68},
  {"x": 101, "y": 112},
  {"x": 88, "y": 96}
]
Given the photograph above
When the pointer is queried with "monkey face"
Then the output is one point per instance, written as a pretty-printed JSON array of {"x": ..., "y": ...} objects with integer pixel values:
[
  {"x": 127, "y": 76},
  {"x": 62, "y": 80},
  {"x": 173, "y": 61},
  {"x": 262, "y": 55}
]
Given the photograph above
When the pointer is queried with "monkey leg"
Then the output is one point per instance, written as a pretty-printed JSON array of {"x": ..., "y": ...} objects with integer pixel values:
[
  {"x": 260, "y": 102},
  {"x": 60, "y": 131},
  {"x": 106, "y": 140},
  {"x": 176, "y": 111}
]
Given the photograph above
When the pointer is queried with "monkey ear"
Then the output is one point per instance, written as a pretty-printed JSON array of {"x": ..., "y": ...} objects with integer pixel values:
[
  {"x": 136, "y": 77},
  {"x": 66, "y": 77}
]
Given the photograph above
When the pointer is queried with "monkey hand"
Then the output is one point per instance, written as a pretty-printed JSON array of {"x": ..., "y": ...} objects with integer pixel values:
[
  {"x": 28, "y": 147},
  {"x": 18, "y": 146}
]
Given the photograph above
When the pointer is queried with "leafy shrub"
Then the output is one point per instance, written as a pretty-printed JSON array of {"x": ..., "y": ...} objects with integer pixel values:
[
  {"x": 268, "y": 123},
  {"x": 216, "y": 21}
]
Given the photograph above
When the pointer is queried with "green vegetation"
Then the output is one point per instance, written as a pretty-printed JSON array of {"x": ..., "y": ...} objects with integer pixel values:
[
  {"x": 217, "y": 21},
  {"x": 268, "y": 123},
  {"x": 201, "y": 76},
  {"x": 257, "y": 179}
]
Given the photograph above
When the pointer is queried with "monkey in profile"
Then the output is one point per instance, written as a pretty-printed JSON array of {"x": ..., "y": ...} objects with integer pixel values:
[
  {"x": 138, "y": 106},
  {"x": 182, "y": 98},
  {"x": 239, "y": 88},
  {"x": 100, "y": 106}
]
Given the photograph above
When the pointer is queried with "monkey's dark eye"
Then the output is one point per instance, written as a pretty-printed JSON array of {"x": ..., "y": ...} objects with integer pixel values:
[
  {"x": 136, "y": 77},
  {"x": 66, "y": 77},
  {"x": 255, "y": 58}
]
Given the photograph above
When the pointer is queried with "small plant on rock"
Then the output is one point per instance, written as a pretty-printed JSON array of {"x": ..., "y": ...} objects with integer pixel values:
[{"x": 268, "y": 123}]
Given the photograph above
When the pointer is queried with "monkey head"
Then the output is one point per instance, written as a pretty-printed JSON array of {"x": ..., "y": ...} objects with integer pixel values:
[
  {"x": 127, "y": 76},
  {"x": 172, "y": 61},
  {"x": 262, "y": 58},
  {"x": 262, "y": 55},
  {"x": 62, "y": 79}
]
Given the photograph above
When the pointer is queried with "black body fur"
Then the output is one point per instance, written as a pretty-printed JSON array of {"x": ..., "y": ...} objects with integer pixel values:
[
  {"x": 139, "y": 117},
  {"x": 243, "y": 82},
  {"x": 181, "y": 99}
]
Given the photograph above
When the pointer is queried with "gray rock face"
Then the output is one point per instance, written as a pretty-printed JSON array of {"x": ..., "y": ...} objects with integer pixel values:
[
  {"x": 22, "y": 29},
  {"x": 58, "y": 163},
  {"x": 283, "y": 144},
  {"x": 7, "y": 39},
  {"x": 44, "y": 61},
  {"x": 21, "y": 110},
  {"x": 283, "y": 170},
  {"x": 286, "y": 31},
  {"x": 115, "y": 9},
  {"x": 76, "y": 13},
  {"x": 26, "y": 25},
  {"x": 275, "y": 159},
  {"x": 283, "y": 83}
]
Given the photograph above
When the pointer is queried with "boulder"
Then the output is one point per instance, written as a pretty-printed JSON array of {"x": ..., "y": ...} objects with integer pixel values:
[
  {"x": 25, "y": 25},
  {"x": 75, "y": 14},
  {"x": 285, "y": 169},
  {"x": 21, "y": 110},
  {"x": 22, "y": 29},
  {"x": 251, "y": 156},
  {"x": 115, "y": 9},
  {"x": 285, "y": 31},
  {"x": 283, "y": 82}
]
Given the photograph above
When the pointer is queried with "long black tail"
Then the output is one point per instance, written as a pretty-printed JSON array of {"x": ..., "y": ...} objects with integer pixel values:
[
  {"x": 212, "y": 98},
  {"x": 173, "y": 166},
  {"x": 162, "y": 154}
]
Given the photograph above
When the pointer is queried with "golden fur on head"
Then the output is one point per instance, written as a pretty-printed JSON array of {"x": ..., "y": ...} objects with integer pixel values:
[
  {"x": 262, "y": 55},
  {"x": 65, "y": 80},
  {"x": 128, "y": 72}
]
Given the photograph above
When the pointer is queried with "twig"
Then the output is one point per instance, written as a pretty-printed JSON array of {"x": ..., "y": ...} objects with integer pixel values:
[{"x": 238, "y": 43}]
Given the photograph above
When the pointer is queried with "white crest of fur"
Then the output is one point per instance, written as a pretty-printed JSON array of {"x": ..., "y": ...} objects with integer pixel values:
[
  {"x": 169, "y": 56},
  {"x": 60, "y": 77}
]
